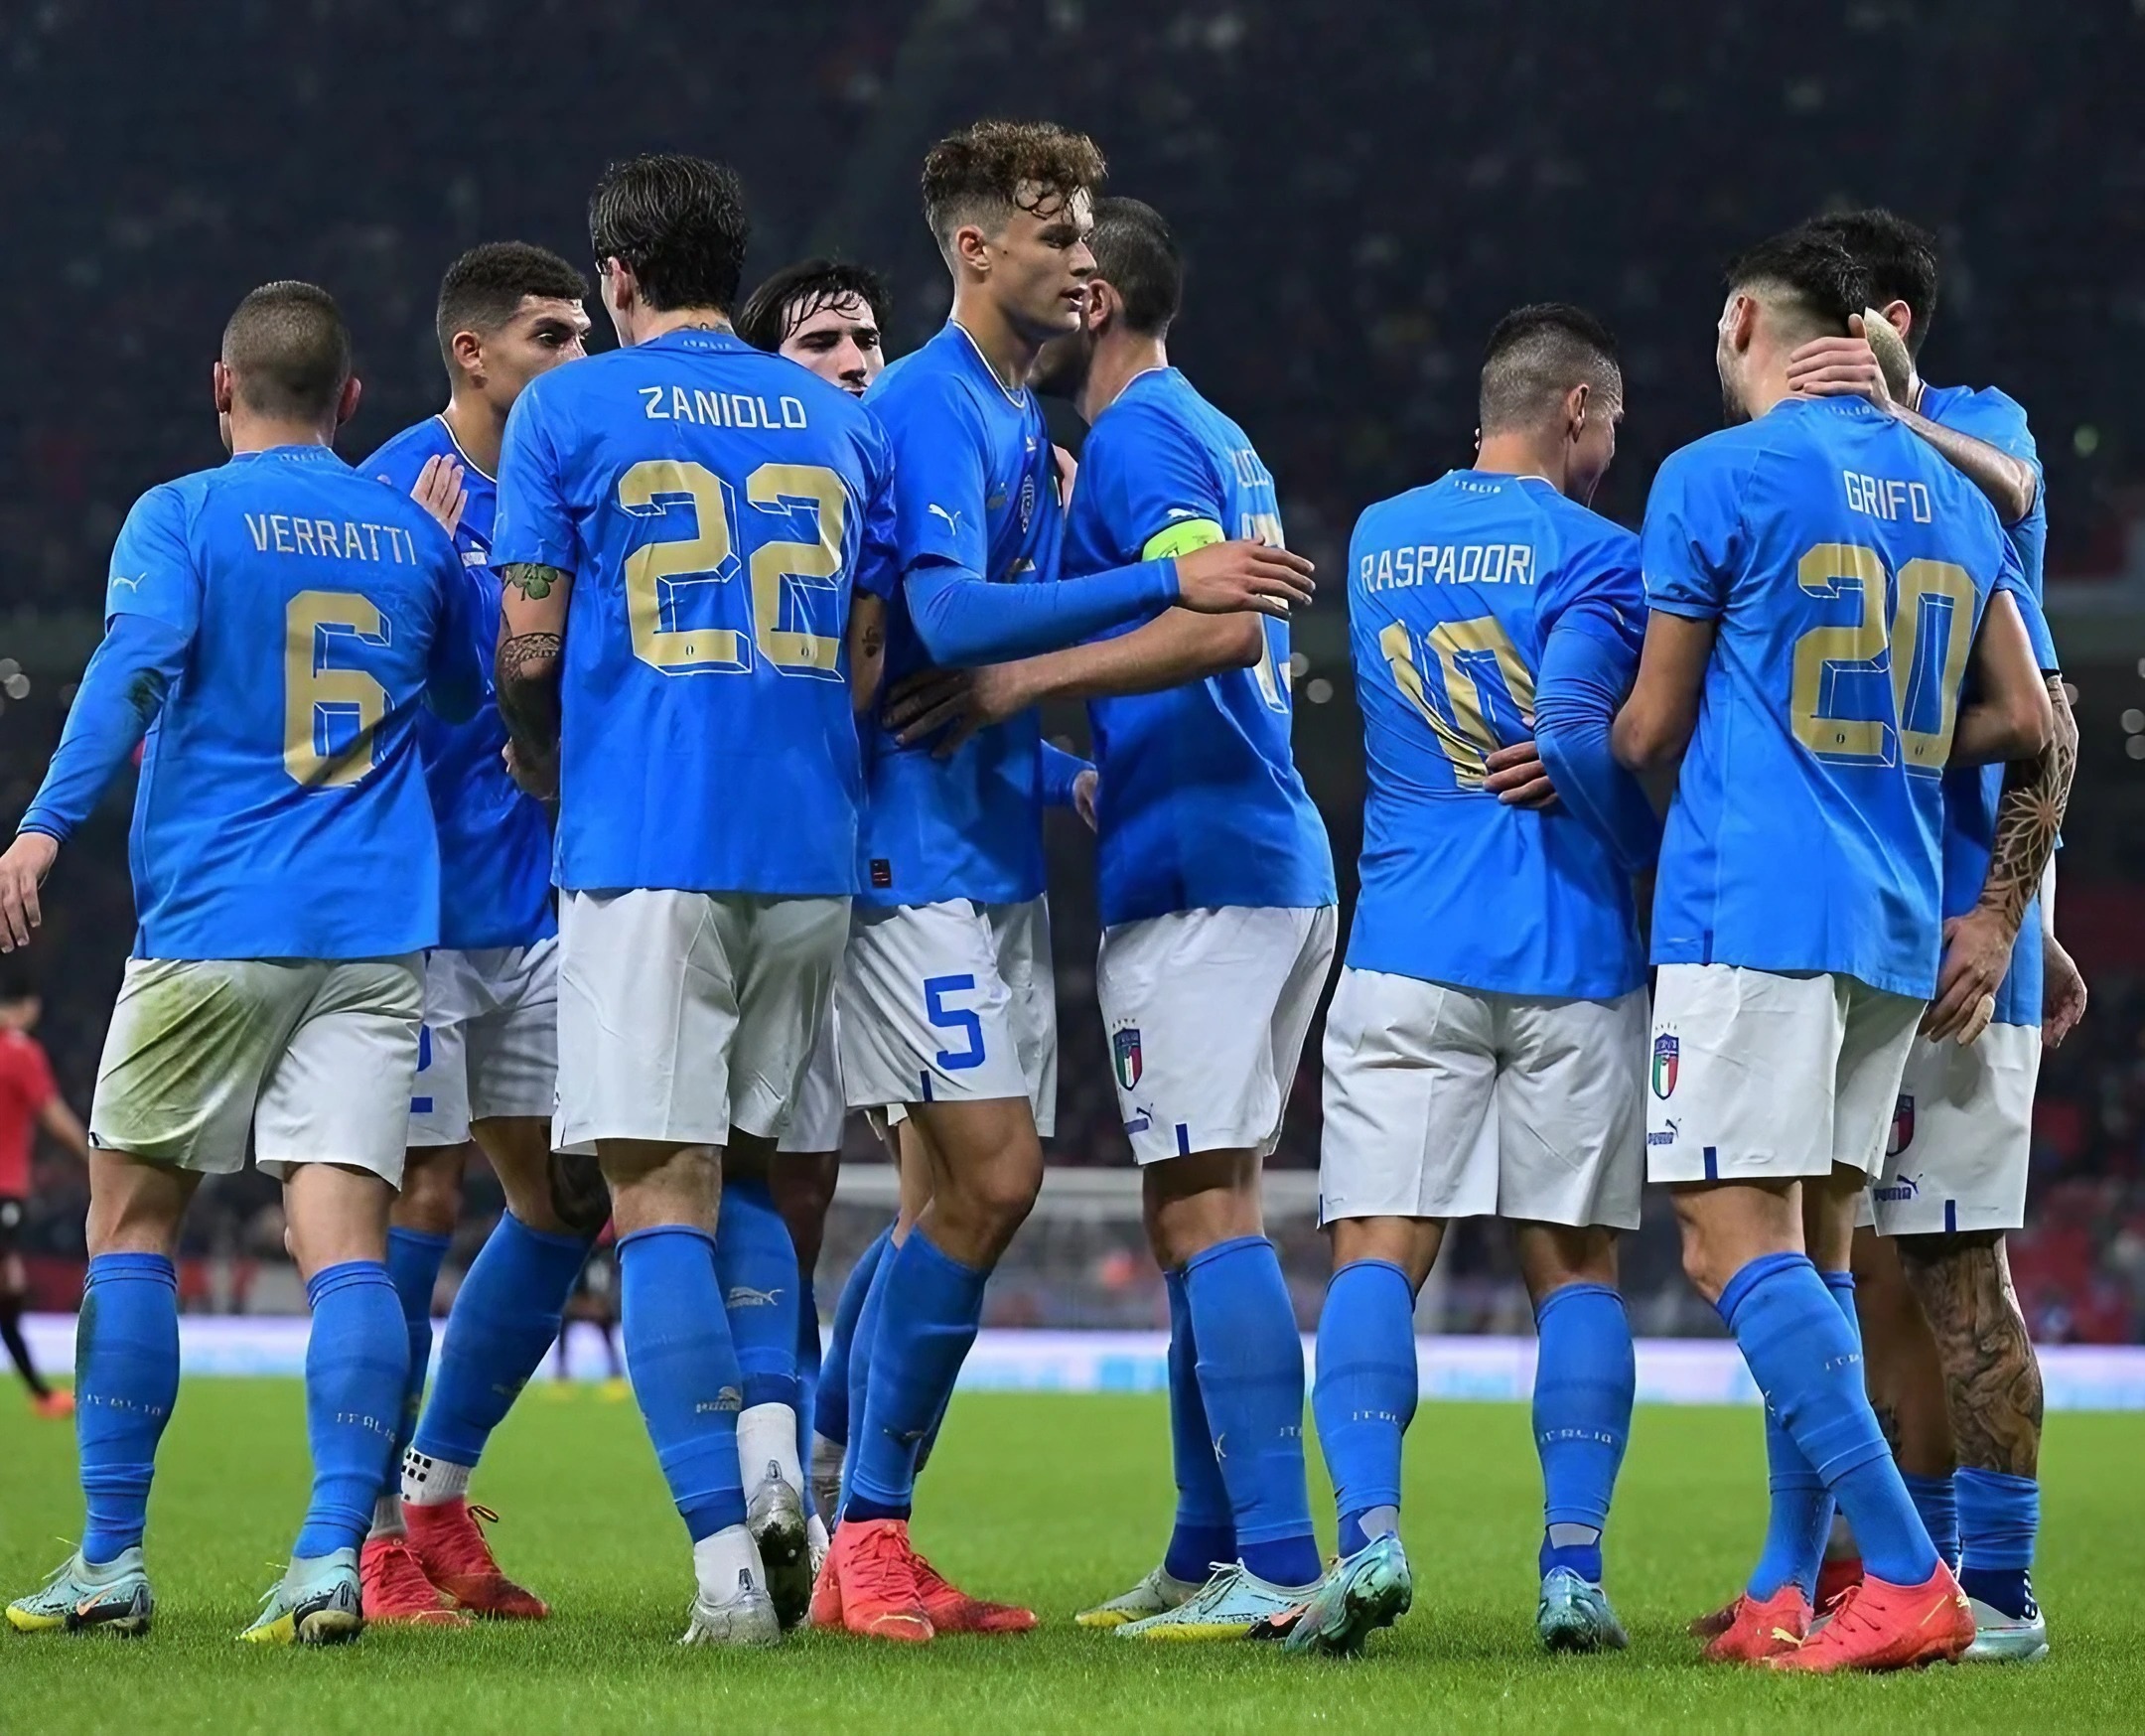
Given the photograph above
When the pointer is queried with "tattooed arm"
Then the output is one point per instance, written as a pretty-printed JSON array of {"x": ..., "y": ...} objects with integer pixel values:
[
  {"x": 532, "y": 637},
  {"x": 1977, "y": 945}
]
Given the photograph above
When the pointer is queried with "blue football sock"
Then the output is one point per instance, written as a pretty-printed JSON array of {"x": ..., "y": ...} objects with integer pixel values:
[
  {"x": 929, "y": 1313},
  {"x": 126, "y": 1379},
  {"x": 1206, "y": 1529},
  {"x": 1999, "y": 1516},
  {"x": 684, "y": 1371},
  {"x": 1936, "y": 1498},
  {"x": 1251, "y": 1374},
  {"x": 807, "y": 1365},
  {"x": 830, "y": 1411},
  {"x": 860, "y": 1357},
  {"x": 1585, "y": 1377},
  {"x": 413, "y": 1263},
  {"x": 1365, "y": 1394},
  {"x": 757, "y": 1265},
  {"x": 1807, "y": 1362},
  {"x": 505, "y": 1318},
  {"x": 356, "y": 1358}
]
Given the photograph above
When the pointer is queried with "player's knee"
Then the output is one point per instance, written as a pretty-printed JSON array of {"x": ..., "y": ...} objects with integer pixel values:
[
  {"x": 995, "y": 1198},
  {"x": 431, "y": 1196}
]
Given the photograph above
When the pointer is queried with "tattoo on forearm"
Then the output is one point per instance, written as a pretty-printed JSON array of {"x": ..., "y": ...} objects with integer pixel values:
[
  {"x": 534, "y": 582},
  {"x": 1994, "y": 1380},
  {"x": 578, "y": 1193},
  {"x": 527, "y": 673},
  {"x": 1887, "y": 1421},
  {"x": 2029, "y": 815}
]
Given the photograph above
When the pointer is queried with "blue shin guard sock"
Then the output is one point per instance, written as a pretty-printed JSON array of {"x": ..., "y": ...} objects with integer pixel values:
[
  {"x": 757, "y": 1265},
  {"x": 505, "y": 1318},
  {"x": 357, "y": 1361},
  {"x": 1365, "y": 1394},
  {"x": 1206, "y": 1530},
  {"x": 807, "y": 1364},
  {"x": 1807, "y": 1362},
  {"x": 413, "y": 1262},
  {"x": 929, "y": 1311},
  {"x": 1999, "y": 1516},
  {"x": 684, "y": 1371},
  {"x": 1936, "y": 1498},
  {"x": 1584, "y": 1379},
  {"x": 860, "y": 1357},
  {"x": 126, "y": 1379},
  {"x": 1250, "y": 1376},
  {"x": 830, "y": 1409}
]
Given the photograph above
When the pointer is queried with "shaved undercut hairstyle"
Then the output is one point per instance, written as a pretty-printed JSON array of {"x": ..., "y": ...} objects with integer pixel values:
[
  {"x": 679, "y": 222},
  {"x": 1536, "y": 356},
  {"x": 484, "y": 289},
  {"x": 791, "y": 296},
  {"x": 1901, "y": 258},
  {"x": 997, "y": 167},
  {"x": 1137, "y": 256},
  {"x": 288, "y": 350},
  {"x": 1810, "y": 278}
]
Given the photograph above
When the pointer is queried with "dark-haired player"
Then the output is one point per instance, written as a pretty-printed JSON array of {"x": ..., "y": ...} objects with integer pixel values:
[
  {"x": 1217, "y": 898},
  {"x": 1968, "y": 1398},
  {"x": 946, "y": 992},
  {"x": 28, "y": 1100},
  {"x": 1483, "y": 1048},
  {"x": 826, "y": 314},
  {"x": 681, "y": 522},
  {"x": 1824, "y": 581},
  {"x": 486, "y": 1064},
  {"x": 286, "y": 872}
]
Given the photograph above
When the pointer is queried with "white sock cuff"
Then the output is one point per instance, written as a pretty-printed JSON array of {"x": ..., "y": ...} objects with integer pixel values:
[
  {"x": 767, "y": 1434},
  {"x": 432, "y": 1482}
]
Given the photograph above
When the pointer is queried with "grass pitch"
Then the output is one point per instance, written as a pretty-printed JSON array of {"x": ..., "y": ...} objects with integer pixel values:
[{"x": 1057, "y": 1500}]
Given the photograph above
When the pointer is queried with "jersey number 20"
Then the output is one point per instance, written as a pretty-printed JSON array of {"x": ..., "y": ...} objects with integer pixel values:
[{"x": 658, "y": 574}]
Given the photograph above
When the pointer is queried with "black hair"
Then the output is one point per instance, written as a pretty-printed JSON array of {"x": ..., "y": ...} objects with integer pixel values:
[
  {"x": 1901, "y": 258},
  {"x": 679, "y": 222},
  {"x": 484, "y": 289},
  {"x": 1137, "y": 256},
  {"x": 1537, "y": 353},
  {"x": 1816, "y": 280},
  {"x": 787, "y": 298},
  {"x": 288, "y": 350},
  {"x": 987, "y": 173}
]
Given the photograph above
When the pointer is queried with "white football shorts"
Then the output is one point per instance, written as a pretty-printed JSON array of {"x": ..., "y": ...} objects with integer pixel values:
[
  {"x": 1454, "y": 1102},
  {"x": 490, "y": 1046},
  {"x": 1962, "y": 1137},
  {"x": 1207, "y": 1012},
  {"x": 815, "y": 1122},
  {"x": 682, "y": 1015},
  {"x": 1755, "y": 1075},
  {"x": 951, "y": 1001},
  {"x": 315, "y": 1055}
]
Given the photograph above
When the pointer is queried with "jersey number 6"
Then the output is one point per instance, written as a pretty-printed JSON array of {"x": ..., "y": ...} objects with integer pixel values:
[{"x": 330, "y": 714}]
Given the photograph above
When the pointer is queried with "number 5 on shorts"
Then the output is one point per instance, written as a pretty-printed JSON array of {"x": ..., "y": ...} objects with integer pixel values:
[{"x": 945, "y": 1018}]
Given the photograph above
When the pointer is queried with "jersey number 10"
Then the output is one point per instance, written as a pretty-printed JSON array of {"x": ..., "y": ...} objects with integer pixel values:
[
  {"x": 1925, "y": 642},
  {"x": 1483, "y": 677}
]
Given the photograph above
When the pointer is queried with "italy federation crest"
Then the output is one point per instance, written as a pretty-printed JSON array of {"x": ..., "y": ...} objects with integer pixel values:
[
  {"x": 1665, "y": 1062},
  {"x": 1125, "y": 1056},
  {"x": 1901, "y": 1125}
]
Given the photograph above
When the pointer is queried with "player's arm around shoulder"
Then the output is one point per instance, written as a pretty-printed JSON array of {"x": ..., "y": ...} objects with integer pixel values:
[
  {"x": 534, "y": 547},
  {"x": 1688, "y": 553}
]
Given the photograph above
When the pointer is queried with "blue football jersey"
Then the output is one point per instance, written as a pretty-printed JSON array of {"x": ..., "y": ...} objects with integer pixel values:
[
  {"x": 974, "y": 489},
  {"x": 1846, "y": 565},
  {"x": 281, "y": 811},
  {"x": 1200, "y": 803},
  {"x": 715, "y": 505},
  {"x": 494, "y": 841},
  {"x": 1453, "y": 591},
  {"x": 1972, "y": 791}
]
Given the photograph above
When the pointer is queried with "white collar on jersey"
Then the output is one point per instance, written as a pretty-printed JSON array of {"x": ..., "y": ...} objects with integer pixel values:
[
  {"x": 1018, "y": 399},
  {"x": 468, "y": 463}
]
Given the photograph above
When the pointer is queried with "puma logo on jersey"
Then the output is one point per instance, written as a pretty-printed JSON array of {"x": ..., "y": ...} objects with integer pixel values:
[
  {"x": 952, "y": 519},
  {"x": 744, "y": 1296},
  {"x": 131, "y": 584}
]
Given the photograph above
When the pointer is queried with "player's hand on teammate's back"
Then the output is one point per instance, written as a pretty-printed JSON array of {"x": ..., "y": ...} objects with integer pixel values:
[
  {"x": 2063, "y": 993},
  {"x": 1518, "y": 779},
  {"x": 539, "y": 781},
  {"x": 439, "y": 491},
  {"x": 957, "y": 701},
  {"x": 1849, "y": 367},
  {"x": 1227, "y": 578},
  {"x": 22, "y": 871},
  {"x": 1084, "y": 796},
  {"x": 1976, "y": 956}
]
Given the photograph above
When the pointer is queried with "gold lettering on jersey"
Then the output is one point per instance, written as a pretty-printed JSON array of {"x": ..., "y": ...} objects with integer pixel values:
[
  {"x": 327, "y": 539},
  {"x": 710, "y": 409},
  {"x": 1455, "y": 563},
  {"x": 1886, "y": 497}
]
